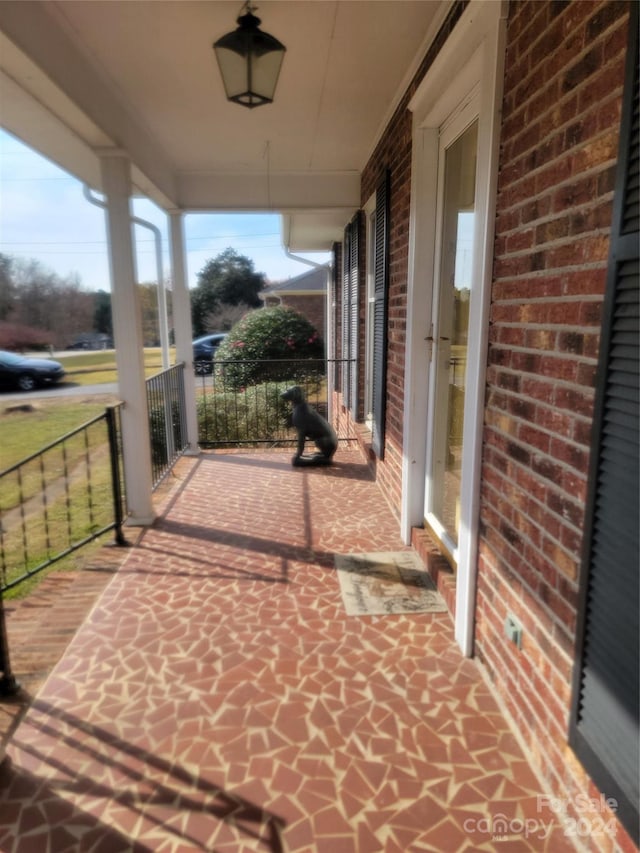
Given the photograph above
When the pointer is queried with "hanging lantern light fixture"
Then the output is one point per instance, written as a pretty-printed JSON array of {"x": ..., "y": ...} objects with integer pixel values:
[{"x": 249, "y": 61}]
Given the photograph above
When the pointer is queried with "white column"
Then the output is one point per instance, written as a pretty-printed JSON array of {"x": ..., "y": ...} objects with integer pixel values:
[
  {"x": 182, "y": 325},
  {"x": 127, "y": 333}
]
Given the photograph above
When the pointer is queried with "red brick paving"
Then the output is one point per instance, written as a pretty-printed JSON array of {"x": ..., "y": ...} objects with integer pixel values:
[{"x": 218, "y": 698}]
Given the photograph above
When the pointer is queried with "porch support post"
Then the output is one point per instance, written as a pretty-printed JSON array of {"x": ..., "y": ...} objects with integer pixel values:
[
  {"x": 127, "y": 332},
  {"x": 182, "y": 324}
]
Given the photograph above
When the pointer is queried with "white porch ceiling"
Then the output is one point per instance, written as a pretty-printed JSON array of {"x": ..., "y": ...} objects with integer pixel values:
[{"x": 81, "y": 76}]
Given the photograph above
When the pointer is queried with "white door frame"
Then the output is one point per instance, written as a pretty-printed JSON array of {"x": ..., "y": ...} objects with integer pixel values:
[
  {"x": 461, "y": 119},
  {"x": 473, "y": 56}
]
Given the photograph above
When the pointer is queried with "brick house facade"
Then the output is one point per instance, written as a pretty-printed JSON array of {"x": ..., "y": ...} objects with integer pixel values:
[
  {"x": 557, "y": 122},
  {"x": 306, "y": 294},
  {"x": 559, "y": 140}
]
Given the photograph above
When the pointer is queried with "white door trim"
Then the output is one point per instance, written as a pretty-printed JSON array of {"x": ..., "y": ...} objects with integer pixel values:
[
  {"x": 473, "y": 55},
  {"x": 451, "y": 130}
]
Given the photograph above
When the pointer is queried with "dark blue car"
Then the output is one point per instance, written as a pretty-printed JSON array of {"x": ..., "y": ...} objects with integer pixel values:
[
  {"x": 204, "y": 350},
  {"x": 24, "y": 373}
]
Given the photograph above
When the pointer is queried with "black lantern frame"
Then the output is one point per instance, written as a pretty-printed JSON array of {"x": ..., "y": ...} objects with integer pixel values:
[{"x": 249, "y": 61}]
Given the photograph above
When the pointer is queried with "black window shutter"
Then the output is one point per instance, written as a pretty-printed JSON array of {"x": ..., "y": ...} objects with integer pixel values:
[
  {"x": 350, "y": 315},
  {"x": 335, "y": 304},
  {"x": 353, "y": 301},
  {"x": 604, "y": 721},
  {"x": 380, "y": 315},
  {"x": 346, "y": 326}
]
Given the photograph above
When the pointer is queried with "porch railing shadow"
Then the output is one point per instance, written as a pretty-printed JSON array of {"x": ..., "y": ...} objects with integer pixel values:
[
  {"x": 181, "y": 791},
  {"x": 72, "y": 491}
]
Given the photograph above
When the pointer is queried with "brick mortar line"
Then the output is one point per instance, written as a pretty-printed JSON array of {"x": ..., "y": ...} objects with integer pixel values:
[
  {"x": 538, "y": 626},
  {"x": 545, "y": 245},
  {"x": 544, "y": 430},
  {"x": 579, "y": 358},
  {"x": 548, "y": 272},
  {"x": 490, "y": 488},
  {"x": 495, "y": 623},
  {"x": 555, "y": 621},
  {"x": 540, "y": 454},
  {"x": 563, "y": 384}
]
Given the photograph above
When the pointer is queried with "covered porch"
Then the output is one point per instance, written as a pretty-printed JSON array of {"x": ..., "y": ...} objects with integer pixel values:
[{"x": 219, "y": 697}]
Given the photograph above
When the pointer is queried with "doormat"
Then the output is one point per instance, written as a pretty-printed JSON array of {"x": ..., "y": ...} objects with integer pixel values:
[{"x": 386, "y": 582}]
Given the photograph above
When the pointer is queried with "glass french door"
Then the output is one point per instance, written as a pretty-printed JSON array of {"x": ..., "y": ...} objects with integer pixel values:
[{"x": 449, "y": 334}]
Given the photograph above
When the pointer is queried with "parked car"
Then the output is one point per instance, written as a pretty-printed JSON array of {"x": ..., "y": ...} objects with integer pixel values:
[
  {"x": 204, "y": 350},
  {"x": 91, "y": 341},
  {"x": 25, "y": 373}
]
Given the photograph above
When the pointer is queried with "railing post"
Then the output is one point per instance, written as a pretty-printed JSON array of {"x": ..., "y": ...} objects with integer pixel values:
[
  {"x": 8, "y": 684},
  {"x": 168, "y": 419},
  {"x": 112, "y": 431}
]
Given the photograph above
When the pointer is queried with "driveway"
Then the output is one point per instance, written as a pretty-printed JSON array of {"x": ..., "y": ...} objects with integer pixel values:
[{"x": 64, "y": 389}]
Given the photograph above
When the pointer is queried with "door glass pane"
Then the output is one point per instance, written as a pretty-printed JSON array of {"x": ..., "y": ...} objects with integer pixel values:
[{"x": 450, "y": 343}]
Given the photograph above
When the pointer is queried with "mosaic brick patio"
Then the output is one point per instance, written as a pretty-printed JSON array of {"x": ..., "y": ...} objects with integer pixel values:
[{"x": 219, "y": 698}]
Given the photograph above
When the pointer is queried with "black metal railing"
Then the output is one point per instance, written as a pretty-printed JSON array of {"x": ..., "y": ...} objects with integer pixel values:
[
  {"x": 167, "y": 420},
  {"x": 60, "y": 498},
  {"x": 72, "y": 491},
  {"x": 239, "y": 401},
  {"x": 56, "y": 501}
]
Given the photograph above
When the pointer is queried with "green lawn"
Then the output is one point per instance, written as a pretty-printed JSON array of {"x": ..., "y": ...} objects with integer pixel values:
[
  {"x": 65, "y": 494},
  {"x": 25, "y": 432},
  {"x": 95, "y": 367},
  {"x": 69, "y": 514}
]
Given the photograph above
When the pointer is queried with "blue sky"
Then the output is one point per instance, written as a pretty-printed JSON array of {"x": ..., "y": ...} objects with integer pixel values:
[{"x": 44, "y": 216}]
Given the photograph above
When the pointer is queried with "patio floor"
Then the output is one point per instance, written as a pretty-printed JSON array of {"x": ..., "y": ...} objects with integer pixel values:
[{"x": 218, "y": 698}]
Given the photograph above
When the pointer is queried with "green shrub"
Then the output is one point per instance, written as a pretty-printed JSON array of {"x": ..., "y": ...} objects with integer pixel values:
[
  {"x": 157, "y": 427},
  {"x": 230, "y": 417},
  {"x": 280, "y": 336}
]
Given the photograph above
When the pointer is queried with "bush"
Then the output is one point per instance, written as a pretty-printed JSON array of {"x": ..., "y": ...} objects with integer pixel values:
[
  {"x": 18, "y": 337},
  {"x": 230, "y": 417},
  {"x": 158, "y": 430},
  {"x": 279, "y": 335}
]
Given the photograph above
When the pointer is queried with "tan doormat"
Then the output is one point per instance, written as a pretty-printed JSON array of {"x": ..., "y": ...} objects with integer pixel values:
[{"x": 386, "y": 582}]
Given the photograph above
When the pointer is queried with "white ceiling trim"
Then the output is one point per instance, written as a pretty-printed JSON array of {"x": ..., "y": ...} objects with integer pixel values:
[
  {"x": 228, "y": 191},
  {"x": 57, "y": 75}
]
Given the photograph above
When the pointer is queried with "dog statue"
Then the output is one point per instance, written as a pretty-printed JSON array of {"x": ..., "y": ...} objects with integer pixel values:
[{"x": 309, "y": 424}]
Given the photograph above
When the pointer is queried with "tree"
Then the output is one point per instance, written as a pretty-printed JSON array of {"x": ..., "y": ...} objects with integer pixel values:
[
  {"x": 226, "y": 316},
  {"x": 228, "y": 279},
  {"x": 7, "y": 287},
  {"x": 31, "y": 296},
  {"x": 102, "y": 321},
  {"x": 150, "y": 313}
]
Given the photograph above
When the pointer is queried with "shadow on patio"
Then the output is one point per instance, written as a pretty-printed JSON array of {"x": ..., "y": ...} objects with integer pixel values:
[{"x": 219, "y": 698}]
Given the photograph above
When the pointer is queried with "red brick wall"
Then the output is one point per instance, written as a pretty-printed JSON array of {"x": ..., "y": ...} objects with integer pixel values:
[
  {"x": 563, "y": 84},
  {"x": 562, "y": 97}
]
